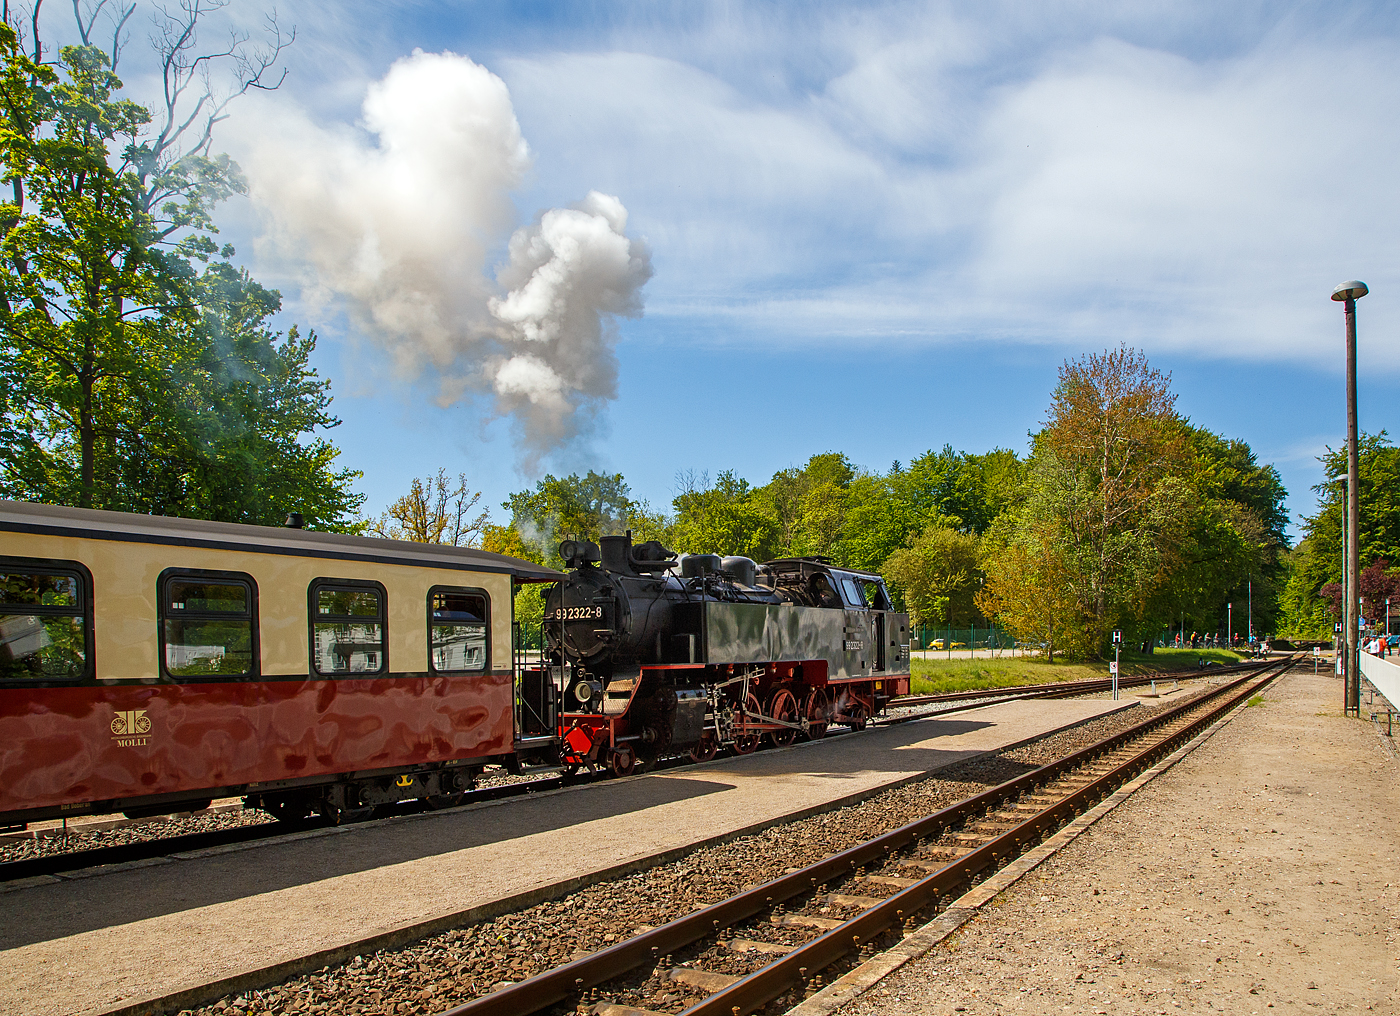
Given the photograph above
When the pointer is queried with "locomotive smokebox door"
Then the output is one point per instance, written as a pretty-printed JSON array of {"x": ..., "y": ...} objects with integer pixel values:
[{"x": 589, "y": 608}]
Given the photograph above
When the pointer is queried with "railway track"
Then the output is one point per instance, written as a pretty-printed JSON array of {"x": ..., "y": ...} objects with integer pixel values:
[
  {"x": 65, "y": 862},
  {"x": 771, "y": 945},
  {"x": 1064, "y": 689}
]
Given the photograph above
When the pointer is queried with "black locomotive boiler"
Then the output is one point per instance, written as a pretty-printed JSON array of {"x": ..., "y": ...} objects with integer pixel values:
[{"x": 659, "y": 654}]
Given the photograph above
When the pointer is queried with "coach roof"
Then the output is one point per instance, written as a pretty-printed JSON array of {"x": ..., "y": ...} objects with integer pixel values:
[{"x": 54, "y": 520}]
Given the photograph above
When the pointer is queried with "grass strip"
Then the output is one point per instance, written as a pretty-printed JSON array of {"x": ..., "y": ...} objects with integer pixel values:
[{"x": 938, "y": 677}]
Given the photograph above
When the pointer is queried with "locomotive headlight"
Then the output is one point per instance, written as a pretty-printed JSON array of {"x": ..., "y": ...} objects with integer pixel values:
[{"x": 583, "y": 691}]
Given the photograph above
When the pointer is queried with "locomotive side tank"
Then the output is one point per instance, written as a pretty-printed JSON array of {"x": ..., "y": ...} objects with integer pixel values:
[{"x": 660, "y": 653}]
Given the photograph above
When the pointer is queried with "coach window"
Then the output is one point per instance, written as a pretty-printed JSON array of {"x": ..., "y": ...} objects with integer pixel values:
[
  {"x": 45, "y": 622},
  {"x": 347, "y": 627},
  {"x": 209, "y": 624},
  {"x": 456, "y": 630}
]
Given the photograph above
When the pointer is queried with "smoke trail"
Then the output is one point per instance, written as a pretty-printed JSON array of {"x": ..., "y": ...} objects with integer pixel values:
[{"x": 400, "y": 229}]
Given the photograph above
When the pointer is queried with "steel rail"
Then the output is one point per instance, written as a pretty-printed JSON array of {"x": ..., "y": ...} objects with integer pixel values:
[
  {"x": 762, "y": 986},
  {"x": 757, "y": 989}
]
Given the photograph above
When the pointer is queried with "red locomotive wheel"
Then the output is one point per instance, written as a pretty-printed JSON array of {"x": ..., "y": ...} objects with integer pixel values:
[
  {"x": 705, "y": 750},
  {"x": 816, "y": 714},
  {"x": 746, "y": 743},
  {"x": 624, "y": 760},
  {"x": 783, "y": 706},
  {"x": 858, "y": 716}
]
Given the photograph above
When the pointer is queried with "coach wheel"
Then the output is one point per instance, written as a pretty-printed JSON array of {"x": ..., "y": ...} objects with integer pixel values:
[
  {"x": 287, "y": 809},
  {"x": 624, "y": 760},
  {"x": 783, "y": 706},
  {"x": 705, "y": 750},
  {"x": 343, "y": 816},
  {"x": 744, "y": 743},
  {"x": 816, "y": 715}
]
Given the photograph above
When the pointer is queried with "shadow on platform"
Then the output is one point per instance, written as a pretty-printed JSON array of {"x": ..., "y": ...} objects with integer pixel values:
[{"x": 55, "y": 911}]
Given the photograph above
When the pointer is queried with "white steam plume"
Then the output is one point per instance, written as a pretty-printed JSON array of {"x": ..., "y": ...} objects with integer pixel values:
[{"x": 400, "y": 231}]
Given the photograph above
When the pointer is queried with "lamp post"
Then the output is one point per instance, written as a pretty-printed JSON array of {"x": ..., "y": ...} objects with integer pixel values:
[
  {"x": 1229, "y": 626},
  {"x": 1347, "y": 294},
  {"x": 1339, "y": 645}
]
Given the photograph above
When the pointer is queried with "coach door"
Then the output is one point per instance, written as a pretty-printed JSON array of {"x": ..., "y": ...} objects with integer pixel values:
[{"x": 538, "y": 687}]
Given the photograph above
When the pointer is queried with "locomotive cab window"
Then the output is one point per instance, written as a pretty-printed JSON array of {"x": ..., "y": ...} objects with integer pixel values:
[
  {"x": 347, "y": 627},
  {"x": 822, "y": 593},
  {"x": 876, "y": 594},
  {"x": 854, "y": 597},
  {"x": 457, "y": 623},
  {"x": 45, "y": 620},
  {"x": 208, "y": 624}
]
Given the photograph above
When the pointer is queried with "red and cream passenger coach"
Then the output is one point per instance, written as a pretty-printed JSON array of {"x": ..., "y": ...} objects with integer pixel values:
[{"x": 149, "y": 664}]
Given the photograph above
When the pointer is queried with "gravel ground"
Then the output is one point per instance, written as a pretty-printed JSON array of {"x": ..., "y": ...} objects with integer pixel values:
[
  {"x": 451, "y": 968},
  {"x": 158, "y": 828},
  {"x": 1257, "y": 874}
]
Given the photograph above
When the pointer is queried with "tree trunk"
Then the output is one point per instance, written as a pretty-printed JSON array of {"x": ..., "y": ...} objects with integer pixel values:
[{"x": 86, "y": 441}]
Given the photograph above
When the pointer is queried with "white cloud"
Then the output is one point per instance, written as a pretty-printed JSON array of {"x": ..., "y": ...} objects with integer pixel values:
[{"x": 1091, "y": 191}]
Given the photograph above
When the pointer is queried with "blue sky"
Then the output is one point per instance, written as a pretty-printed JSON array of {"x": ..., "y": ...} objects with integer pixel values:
[{"x": 874, "y": 228}]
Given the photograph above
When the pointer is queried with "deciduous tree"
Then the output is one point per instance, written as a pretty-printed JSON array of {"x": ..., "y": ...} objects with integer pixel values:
[
  {"x": 937, "y": 574},
  {"x": 723, "y": 518},
  {"x": 435, "y": 510},
  {"x": 1025, "y": 592}
]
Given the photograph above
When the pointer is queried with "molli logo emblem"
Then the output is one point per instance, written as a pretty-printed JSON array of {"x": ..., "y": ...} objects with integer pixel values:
[{"x": 130, "y": 727}]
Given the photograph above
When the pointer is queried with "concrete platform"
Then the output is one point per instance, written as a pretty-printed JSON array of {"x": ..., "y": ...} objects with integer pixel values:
[{"x": 89, "y": 944}]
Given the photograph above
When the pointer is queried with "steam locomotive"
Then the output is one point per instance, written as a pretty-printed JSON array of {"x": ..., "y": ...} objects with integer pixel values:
[{"x": 661, "y": 654}]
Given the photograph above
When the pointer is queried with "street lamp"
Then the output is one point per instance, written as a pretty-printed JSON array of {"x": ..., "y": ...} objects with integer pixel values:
[
  {"x": 1347, "y": 294},
  {"x": 1339, "y": 644}
]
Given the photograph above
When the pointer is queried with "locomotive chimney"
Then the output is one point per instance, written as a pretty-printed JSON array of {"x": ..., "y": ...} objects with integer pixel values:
[
  {"x": 295, "y": 520},
  {"x": 615, "y": 550}
]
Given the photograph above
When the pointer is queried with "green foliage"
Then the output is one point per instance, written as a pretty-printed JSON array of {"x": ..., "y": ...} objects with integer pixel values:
[
  {"x": 1133, "y": 514},
  {"x": 576, "y": 507},
  {"x": 938, "y": 576},
  {"x": 1317, "y": 561},
  {"x": 139, "y": 376},
  {"x": 1124, "y": 516},
  {"x": 726, "y": 518}
]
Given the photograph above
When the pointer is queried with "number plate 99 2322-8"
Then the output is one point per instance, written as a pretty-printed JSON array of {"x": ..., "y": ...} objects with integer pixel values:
[{"x": 575, "y": 614}]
